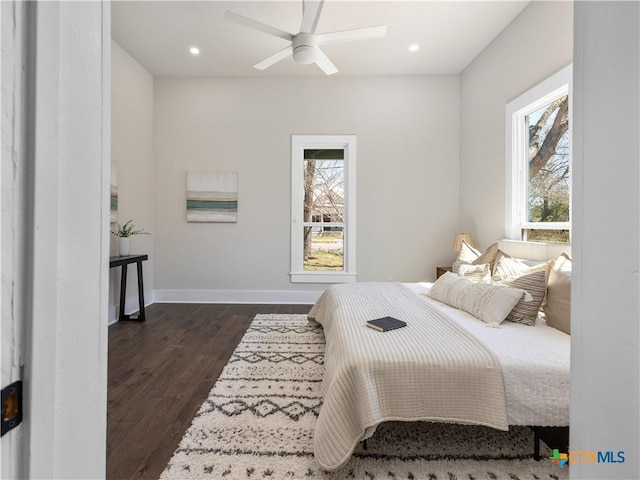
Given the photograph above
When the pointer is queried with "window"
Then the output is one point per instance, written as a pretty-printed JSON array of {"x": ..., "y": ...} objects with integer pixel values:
[
  {"x": 538, "y": 162},
  {"x": 323, "y": 208}
]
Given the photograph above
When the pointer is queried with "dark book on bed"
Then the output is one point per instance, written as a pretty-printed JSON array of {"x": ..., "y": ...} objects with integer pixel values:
[{"x": 386, "y": 323}]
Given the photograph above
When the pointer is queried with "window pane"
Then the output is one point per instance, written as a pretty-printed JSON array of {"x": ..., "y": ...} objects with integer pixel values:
[
  {"x": 323, "y": 188},
  {"x": 324, "y": 154},
  {"x": 548, "y": 192},
  {"x": 323, "y": 248},
  {"x": 552, "y": 236}
]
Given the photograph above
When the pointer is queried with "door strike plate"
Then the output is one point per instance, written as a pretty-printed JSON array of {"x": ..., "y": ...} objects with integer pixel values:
[{"x": 11, "y": 406}]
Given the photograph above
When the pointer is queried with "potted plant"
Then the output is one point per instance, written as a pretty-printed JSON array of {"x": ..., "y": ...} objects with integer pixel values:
[{"x": 124, "y": 233}]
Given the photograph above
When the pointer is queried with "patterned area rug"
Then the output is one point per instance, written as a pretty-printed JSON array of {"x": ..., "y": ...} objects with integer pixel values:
[{"x": 258, "y": 422}]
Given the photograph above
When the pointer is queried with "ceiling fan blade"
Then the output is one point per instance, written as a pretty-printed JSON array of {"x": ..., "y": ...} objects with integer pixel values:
[
  {"x": 255, "y": 25},
  {"x": 275, "y": 58},
  {"x": 351, "y": 35},
  {"x": 310, "y": 15},
  {"x": 324, "y": 63}
]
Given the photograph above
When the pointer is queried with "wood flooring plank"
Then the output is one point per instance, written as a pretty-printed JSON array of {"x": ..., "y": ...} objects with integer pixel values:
[{"x": 161, "y": 371}]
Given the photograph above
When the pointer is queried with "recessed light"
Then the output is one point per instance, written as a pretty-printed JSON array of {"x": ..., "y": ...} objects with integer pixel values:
[
  {"x": 194, "y": 51},
  {"x": 413, "y": 48}
]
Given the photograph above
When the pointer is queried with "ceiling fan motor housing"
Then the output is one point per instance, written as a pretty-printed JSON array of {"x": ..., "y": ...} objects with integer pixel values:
[{"x": 304, "y": 48}]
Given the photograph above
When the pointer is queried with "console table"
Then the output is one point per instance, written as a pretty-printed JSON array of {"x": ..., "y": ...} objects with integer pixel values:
[{"x": 123, "y": 261}]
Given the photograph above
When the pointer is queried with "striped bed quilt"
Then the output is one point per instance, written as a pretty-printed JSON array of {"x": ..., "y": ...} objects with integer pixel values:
[{"x": 432, "y": 369}]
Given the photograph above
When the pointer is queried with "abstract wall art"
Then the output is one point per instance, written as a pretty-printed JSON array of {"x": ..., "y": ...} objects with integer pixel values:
[
  {"x": 212, "y": 197},
  {"x": 113, "y": 196}
]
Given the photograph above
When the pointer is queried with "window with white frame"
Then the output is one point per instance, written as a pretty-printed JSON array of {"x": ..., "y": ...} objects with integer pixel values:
[
  {"x": 323, "y": 201},
  {"x": 538, "y": 162}
]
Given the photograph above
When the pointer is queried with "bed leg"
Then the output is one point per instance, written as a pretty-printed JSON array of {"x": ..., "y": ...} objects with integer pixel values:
[
  {"x": 364, "y": 444},
  {"x": 536, "y": 444}
]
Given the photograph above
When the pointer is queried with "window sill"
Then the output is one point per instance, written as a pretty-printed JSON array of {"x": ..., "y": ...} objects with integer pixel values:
[{"x": 323, "y": 277}]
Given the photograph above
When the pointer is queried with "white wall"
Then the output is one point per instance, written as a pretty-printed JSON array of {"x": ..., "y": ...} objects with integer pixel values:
[
  {"x": 605, "y": 332},
  {"x": 132, "y": 149},
  {"x": 407, "y": 182},
  {"x": 534, "y": 46}
]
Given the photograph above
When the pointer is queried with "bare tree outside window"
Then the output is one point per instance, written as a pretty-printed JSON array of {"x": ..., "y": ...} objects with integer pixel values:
[
  {"x": 549, "y": 169},
  {"x": 323, "y": 210}
]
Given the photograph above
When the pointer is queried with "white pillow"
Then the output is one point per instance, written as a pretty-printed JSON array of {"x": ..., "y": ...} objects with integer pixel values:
[
  {"x": 489, "y": 303},
  {"x": 476, "y": 273},
  {"x": 466, "y": 255}
]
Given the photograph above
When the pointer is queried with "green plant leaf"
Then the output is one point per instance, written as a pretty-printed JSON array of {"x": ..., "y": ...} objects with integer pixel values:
[{"x": 128, "y": 230}]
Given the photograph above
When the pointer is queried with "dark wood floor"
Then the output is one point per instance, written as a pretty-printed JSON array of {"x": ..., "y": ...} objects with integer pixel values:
[{"x": 160, "y": 372}]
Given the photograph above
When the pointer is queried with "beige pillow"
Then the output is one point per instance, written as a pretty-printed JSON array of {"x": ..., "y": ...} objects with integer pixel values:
[
  {"x": 558, "y": 307},
  {"x": 508, "y": 267},
  {"x": 476, "y": 273},
  {"x": 489, "y": 303},
  {"x": 489, "y": 256},
  {"x": 536, "y": 285}
]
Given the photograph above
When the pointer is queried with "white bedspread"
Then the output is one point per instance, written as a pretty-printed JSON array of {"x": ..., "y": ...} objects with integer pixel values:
[
  {"x": 398, "y": 383},
  {"x": 535, "y": 364},
  {"x": 430, "y": 370}
]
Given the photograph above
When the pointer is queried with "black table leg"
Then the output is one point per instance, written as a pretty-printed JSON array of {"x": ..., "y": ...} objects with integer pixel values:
[
  {"x": 123, "y": 261},
  {"x": 141, "y": 317},
  {"x": 123, "y": 292}
]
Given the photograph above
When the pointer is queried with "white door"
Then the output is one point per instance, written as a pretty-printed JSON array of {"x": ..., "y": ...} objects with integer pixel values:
[{"x": 55, "y": 234}]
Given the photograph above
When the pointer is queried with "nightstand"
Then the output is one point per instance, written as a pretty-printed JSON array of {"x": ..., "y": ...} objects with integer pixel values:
[{"x": 440, "y": 271}]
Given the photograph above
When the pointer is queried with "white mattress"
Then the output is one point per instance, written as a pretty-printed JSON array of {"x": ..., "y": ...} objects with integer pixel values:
[{"x": 535, "y": 364}]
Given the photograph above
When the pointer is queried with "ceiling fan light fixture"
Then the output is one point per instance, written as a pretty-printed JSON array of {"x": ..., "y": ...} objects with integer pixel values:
[
  {"x": 304, "y": 55},
  {"x": 304, "y": 48}
]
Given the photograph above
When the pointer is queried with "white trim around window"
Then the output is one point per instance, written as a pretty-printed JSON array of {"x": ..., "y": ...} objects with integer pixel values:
[
  {"x": 516, "y": 151},
  {"x": 299, "y": 143}
]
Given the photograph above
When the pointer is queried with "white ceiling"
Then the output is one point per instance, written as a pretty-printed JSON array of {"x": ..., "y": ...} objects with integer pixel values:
[{"x": 450, "y": 35}]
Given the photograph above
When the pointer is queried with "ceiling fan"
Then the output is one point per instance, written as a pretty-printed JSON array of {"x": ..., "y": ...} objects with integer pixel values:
[{"x": 305, "y": 46}]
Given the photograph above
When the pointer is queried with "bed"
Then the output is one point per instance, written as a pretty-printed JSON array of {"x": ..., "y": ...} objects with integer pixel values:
[{"x": 445, "y": 366}]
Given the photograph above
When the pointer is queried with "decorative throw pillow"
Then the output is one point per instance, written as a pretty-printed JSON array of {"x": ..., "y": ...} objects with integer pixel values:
[
  {"x": 489, "y": 303},
  {"x": 558, "y": 307},
  {"x": 476, "y": 273},
  {"x": 509, "y": 267},
  {"x": 466, "y": 255},
  {"x": 536, "y": 285},
  {"x": 489, "y": 256},
  {"x": 455, "y": 267}
]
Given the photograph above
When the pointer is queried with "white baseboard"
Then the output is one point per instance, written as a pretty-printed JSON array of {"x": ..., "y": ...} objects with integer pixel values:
[
  {"x": 237, "y": 296},
  {"x": 113, "y": 314},
  {"x": 284, "y": 297},
  {"x": 130, "y": 306}
]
